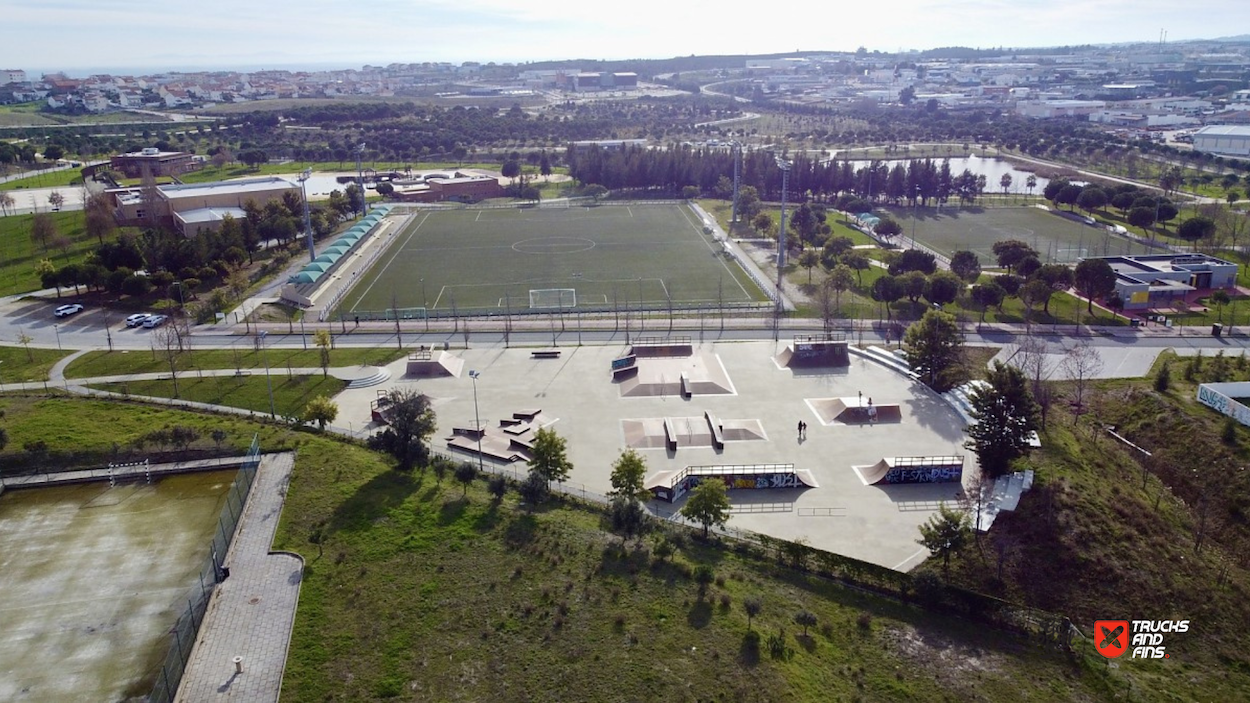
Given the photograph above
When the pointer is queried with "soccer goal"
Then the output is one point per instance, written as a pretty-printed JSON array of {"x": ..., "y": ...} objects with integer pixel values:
[{"x": 553, "y": 298}]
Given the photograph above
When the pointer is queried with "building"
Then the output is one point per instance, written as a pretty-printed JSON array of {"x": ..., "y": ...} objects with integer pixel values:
[
  {"x": 12, "y": 75},
  {"x": 582, "y": 147},
  {"x": 1229, "y": 140},
  {"x": 198, "y": 207},
  {"x": 461, "y": 187},
  {"x": 158, "y": 163},
  {"x": 1154, "y": 280}
]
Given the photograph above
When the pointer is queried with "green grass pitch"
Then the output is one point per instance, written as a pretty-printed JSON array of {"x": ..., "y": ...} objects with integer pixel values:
[
  {"x": 492, "y": 259},
  {"x": 1058, "y": 239}
]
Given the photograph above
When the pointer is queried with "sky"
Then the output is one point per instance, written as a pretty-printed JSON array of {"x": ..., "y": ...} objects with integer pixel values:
[{"x": 98, "y": 35}]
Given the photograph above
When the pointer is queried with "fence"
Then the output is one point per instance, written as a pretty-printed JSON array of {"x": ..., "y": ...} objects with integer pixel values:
[
  {"x": 185, "y": 629},
  {"x": 349, "y": 284}
]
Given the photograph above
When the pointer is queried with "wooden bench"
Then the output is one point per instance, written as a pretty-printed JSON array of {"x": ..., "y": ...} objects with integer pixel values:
[{"x": 546, "y": 354}]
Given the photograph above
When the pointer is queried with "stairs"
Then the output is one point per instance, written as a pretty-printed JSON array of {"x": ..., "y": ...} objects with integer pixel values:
[{"x": 381, "y": 376}]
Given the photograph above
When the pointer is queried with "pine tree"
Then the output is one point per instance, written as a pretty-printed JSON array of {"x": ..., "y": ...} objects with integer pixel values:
[{"x": 1006, "y": 416}]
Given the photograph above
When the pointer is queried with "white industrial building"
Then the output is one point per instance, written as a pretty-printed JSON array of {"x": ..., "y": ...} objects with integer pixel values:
[{"x": 1230, "y": 140}]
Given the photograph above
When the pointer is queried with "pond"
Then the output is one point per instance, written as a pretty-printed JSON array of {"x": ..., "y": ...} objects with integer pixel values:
[{"x": 992, "y": 168}]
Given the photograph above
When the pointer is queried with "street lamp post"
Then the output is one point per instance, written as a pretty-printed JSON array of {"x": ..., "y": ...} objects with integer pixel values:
[
  {"x": 57, "y": 327},
  {"x": 308, "y": 234},
  {"x": 264, "y": 351},
  {"x": 477, "y": 419}
]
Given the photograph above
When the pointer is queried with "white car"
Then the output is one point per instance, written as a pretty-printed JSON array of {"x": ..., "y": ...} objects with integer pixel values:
[
  {"x": 155, "y": 321},
  {"x": 67, "y": 310},
  {"x": 137, "y": 319}
]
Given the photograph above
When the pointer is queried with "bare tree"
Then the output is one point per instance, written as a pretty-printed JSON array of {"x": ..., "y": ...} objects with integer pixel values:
[
  {"x": 167, "y": 345},
  {"x": 1081, "y": 363},
  {"x": 826, "y": 303},
  {"x": 1029, "y": 355}
]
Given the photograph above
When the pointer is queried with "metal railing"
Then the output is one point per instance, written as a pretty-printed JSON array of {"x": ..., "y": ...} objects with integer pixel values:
[{"x": 191, "y": 615}]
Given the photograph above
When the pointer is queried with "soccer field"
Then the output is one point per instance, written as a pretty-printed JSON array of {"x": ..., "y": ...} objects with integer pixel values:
[
  {"x": 491, "y": 259},
  {"x": 1057, "y": 238}
]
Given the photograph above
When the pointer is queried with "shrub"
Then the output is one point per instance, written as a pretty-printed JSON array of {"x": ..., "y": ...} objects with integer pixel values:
[{"x": 1164, "y": 378}]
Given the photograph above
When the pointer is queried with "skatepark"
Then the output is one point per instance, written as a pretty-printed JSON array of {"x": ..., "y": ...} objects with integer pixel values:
[{"x": 725, "y": 409}]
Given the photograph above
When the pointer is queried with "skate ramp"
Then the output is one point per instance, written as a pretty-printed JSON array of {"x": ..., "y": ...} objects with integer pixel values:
[
  {"x": 675, "y": 376},
  {"x": 853, "y": 411},
  {"x": 428, "y": 364},
  {"x": 814, "y": 355},
  {"x": 912, "y": 469}
]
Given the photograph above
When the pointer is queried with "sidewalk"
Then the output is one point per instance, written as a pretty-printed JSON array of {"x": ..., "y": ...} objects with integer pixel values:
[{"x": 252, "y": 612}]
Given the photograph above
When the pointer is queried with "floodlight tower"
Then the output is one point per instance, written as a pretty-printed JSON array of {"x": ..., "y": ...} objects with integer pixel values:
[
  {"x": 360, "y": 178},
  {"x": 308, "y": 233},
  {"x": 784, "y": 165},
  {"x": 737, "y": 157}
]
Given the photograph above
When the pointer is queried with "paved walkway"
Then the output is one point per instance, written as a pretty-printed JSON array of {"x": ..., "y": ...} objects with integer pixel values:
[
  {"x": 120, "y": 473},
  {"x": 252, "y": 613}
]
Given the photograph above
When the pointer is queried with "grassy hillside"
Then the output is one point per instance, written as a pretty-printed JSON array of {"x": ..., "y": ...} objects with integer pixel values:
[
  {"x": 416, "y": 592},
  {"x": 1109, "y": 533}
]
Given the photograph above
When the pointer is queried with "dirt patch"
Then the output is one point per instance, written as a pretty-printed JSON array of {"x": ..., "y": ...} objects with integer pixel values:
[{"x": 953, "y": 665}]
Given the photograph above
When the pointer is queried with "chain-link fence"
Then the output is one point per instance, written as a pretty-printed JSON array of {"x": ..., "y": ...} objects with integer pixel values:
[{"x": 212, "y": 571}]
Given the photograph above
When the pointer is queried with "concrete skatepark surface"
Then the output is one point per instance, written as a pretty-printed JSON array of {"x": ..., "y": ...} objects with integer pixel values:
[
  {"x": 874, "y": 523},
  {"x": 94, "y": 577}
]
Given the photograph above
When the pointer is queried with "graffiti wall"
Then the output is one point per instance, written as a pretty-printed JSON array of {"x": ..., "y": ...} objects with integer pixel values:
[
  {"x": 732, "y": 482},
  {"x": 925, "y": 474},
  {"x": 1216, "y": 396}
]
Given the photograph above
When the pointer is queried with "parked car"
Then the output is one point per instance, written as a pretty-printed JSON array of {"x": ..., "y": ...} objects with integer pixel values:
[
  {"x": 155, "y": 321},
  {"x": 67, "y": 310},
  {"x": 137, "y": 319}
]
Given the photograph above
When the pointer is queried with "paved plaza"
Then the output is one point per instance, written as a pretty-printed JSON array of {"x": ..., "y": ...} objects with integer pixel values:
[{"x": 873, "y": 523}]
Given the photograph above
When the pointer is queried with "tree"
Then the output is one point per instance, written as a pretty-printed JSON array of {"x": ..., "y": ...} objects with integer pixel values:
[
  {"x": 385, "y": 189},
  {"x": 752, "y": 605},
  {"x": 629, "y": 473},
  {"x": 594, "y": 191},
  {"x": 411, "y": 420},
  {"x": 858, "y": 263},
  {"x": 966, "y": 265},
  {"x": 1094, "y": 278},
  {"x": 888, "y": 290},
  {"x": 809, "y": 260},
  {"x": 323, "y": 341},
  {"x": 763, "y": 223},
  {"x": 914, "y": 283},
  {"x": 497, "y": 487},
  {"x": 913, "y": 260},
  {"x": 253, "y": 158},
  {"x": 945, "y": 533},
  {"x": 43, "y": 230},
  {"x": 839, "y": 281},
  {"x": 708, "y": 504},
  {"x": 690, "y": 192},
  {"x": 943, "y": 287},
  {"x": 465, "y": 473},
  {"x": 321, "y": 410},
  {"x": 355, "y": 197},
  {"x": 935, "y": 348},
  {"x": 1006, "y": 415},
  {"x": 1141, "y": 217},
  {"x": 549, "y": 457},
  {"x": 626, "y": 517},
  {"x": 511, "y": 169},
  {"x": 56, "y": 200},
  {"x": 1219, "y": 299},
  {"x": 1011, "y": 252},
  {"x": 1091, "y": 199},
  {"x": 1005, "y": 182},
  {"x": 1196, "y": 228},
  {"x": 6, "y": 202},
  {"x": 1081, "y": 363},
  {"x": 1035, "y": 292},
  {"x": 988, "y": 295},
  {"x": 887, "y": 228},
  {"x": 805, "y": 619}
]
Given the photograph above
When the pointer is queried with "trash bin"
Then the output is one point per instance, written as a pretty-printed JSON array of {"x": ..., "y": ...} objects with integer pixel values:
[{"x": 1217, "y": 329}]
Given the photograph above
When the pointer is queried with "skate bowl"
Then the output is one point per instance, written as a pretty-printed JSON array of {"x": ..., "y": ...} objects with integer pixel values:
[
  {"x": 672, "y": 485},
  {"x": 853, "y": 411},
  {"x": 912, "y": 469}
]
